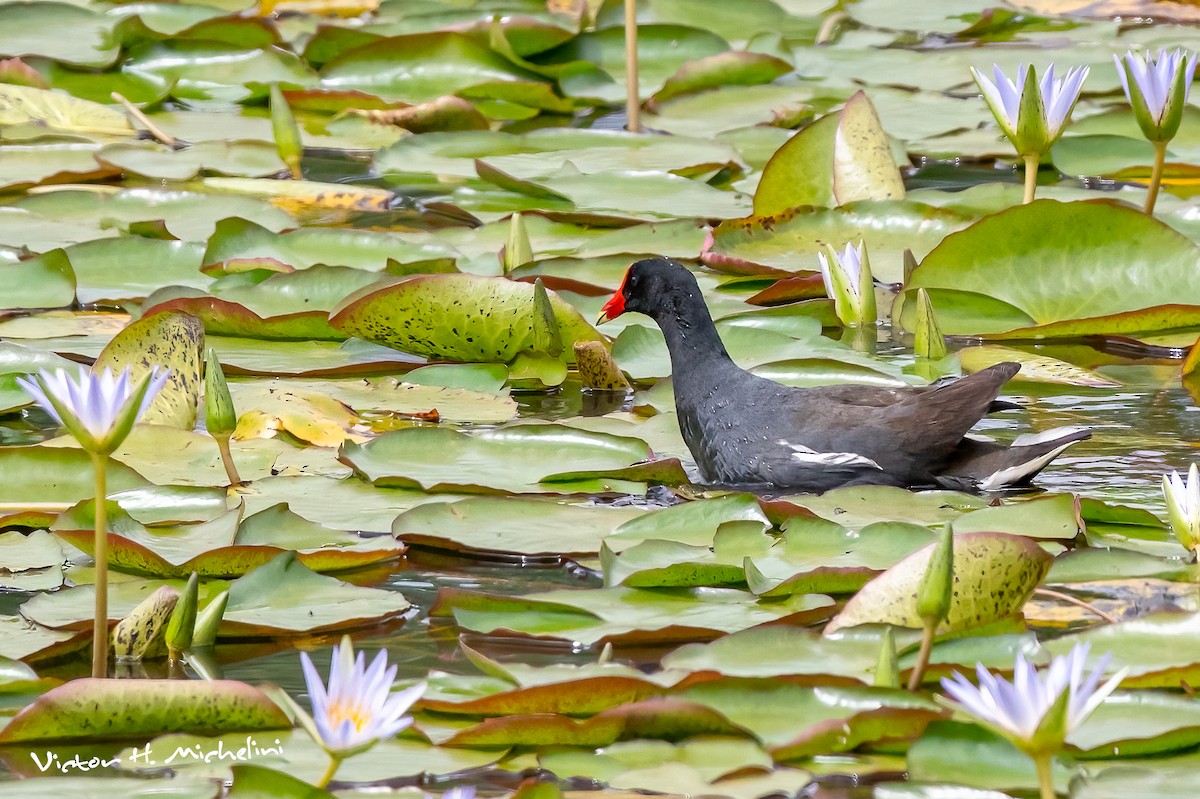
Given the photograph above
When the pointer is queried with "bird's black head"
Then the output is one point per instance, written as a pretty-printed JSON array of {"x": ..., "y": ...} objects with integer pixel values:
[{"x": 651, "y": 286}]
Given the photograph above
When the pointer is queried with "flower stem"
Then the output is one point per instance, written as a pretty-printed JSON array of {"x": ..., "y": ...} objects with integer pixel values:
[
  {"x": 1045, "y": 772},
  {"x": 100, "y": 623},
  {"x": 227, "y": 460},
  {"x": 1031, "y": 171},
  {"x": 633, "y": 103},
  {"x": 1160, "y": 159},
  {"x": 918, "y": 672},
  {"x": 327, "y": 777}
]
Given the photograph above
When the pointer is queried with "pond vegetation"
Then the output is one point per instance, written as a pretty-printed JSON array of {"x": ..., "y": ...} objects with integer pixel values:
[{"x": 349, "y": 252}]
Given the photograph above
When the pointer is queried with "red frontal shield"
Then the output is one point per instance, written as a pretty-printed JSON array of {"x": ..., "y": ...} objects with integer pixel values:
[{"x": 615, "y": 305}]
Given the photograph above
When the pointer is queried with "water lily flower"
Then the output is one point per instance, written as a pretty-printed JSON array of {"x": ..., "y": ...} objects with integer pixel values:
[
  {"x": 358, "y": 708},
  {"x": 98, "y": 410},
  {"x": 1183, "y": 507},
  {"x": 1031, "y": 114},
  {"x": 847, "y": 278},
  {"x": 1157, "y": 90},
  {"x": 1037, "y": 710}
]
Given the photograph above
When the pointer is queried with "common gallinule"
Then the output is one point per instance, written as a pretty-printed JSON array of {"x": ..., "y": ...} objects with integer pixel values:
[{"x": 746, "y": 430}]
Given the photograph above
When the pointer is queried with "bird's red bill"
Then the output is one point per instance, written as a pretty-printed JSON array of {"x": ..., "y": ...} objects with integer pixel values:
[{"x": 615, "y": 305}]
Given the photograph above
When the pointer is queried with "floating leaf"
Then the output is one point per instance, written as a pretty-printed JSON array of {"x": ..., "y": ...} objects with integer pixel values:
[
  {"x": 95, "y": 709},
  {"x": 460, "y": 317},
  {"x": 169, "y": 340},
  {"x": 1041, "y": 270},
  {"x": 1034, "y": 368},
  {"x": 842, "y": 158},
  {"x": 994, "y": 573},
  {"x": 533, "y": 458},
  {"x": 60, "y": 111}
]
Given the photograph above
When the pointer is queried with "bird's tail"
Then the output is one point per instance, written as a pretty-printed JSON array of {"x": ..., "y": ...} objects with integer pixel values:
[{"x": 987, "y": 465}]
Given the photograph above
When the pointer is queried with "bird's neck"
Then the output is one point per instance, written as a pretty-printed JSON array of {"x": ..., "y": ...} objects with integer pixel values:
[{"x": 691, "y": 336}]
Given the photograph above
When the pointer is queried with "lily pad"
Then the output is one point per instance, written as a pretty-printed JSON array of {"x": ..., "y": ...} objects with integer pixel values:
[
  {"x": 994, "y": 573},
  {"x": 623, "y": 615},
  {"x": 535, "y": 458},
  {"x": 284, "y": 597},
  {"x": 169, "y": 340},
  {"x": 839, "y": 159},
  {"x": 516, "y": 526},
  {"x": 458, "y": 317},
  {"x": 1038, "y": 271}
]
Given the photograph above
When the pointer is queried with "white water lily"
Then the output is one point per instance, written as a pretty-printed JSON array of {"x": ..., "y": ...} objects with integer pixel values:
[
  {"x": 1183, "y": 507},
  {"x": 99, "y": 410},
  {"x": 848, "y": 281},
  {"x": 1157, "y": 89},
  {"x": 358, "y": 708},
  {"x": 1037, "y": 710},
  {"x": 1031, "y": 114}
]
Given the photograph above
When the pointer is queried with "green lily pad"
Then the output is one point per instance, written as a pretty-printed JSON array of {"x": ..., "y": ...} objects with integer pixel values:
[
  {"x": 662, "y": 51},
  {"x": 17, "y": 360},
  {"x": 38, "y": 475},
  {"x": 44, "y": 282},
  {"x": 249, "y": 159},
  {"x": 87, "y": 709},
  {"x": 517, "y": 526},
  {"x": 383, "y": 394},
  {"x": 777, "y": 651},
  {"x": 49, "y": 161},
  {"x": 1158, "y": 649},
  {"x": 791, "y": 240},
  {"x": 32, "y": 643},
  {"x": 291, "y": 305},
  {"x": 623, "y": 615},
  {"x": 535, "y": 458},
  {"x": 58, "y": 31},
  {"x": 1039, "y": 270},
  {"x": 284, "y": 597},
  {"x": 816, "y": 556},
  {"x": 692, "y": 523},
  {"x": 226, "y": 546},
  {"x": 395, "y": 68},
  {"x": 32, "y": 562}
]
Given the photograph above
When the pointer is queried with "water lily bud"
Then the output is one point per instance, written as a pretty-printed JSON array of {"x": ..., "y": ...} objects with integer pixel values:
[
  {"x": 848, "y": 281},
  {"x": 287, "y": 134},
  {"x": 1157, "y": 89},
  {"x": 928, "y": 341},
  {"x": 1183, "y": 507},
  {"x": 937, "y": 586},
  {"x": 220, "y": 418},
  {"x": 546, "y": 336},
  {"x": 208, "y": 621},
  {"x": 183, "y": 619},
  {"x": 141, "y": 632},
  {"x": 517, "y": 249},
  {"x": 887, "y": 670}
]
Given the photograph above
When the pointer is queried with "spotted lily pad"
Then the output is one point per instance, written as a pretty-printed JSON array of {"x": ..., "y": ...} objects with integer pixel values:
[
  {"x": 90, "y": 709},
  {"x": 994, "y": 572}
]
